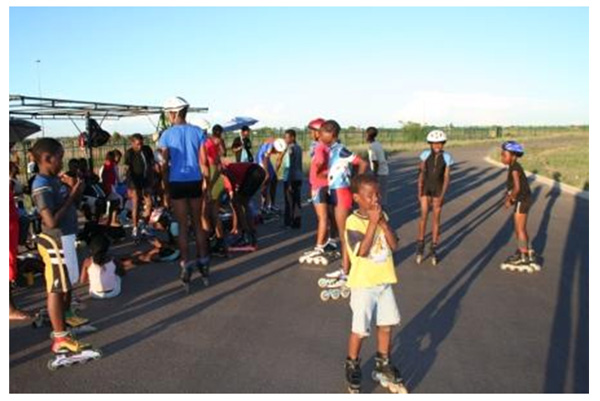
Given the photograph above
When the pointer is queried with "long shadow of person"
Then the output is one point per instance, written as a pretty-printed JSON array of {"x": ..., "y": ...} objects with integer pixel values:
[{"x": 571, "y": 315}]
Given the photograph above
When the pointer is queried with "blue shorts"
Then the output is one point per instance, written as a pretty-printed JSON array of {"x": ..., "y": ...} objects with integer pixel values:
[
  {"x": 373, "y": 305},
  {"x": 320, "y": 195}
]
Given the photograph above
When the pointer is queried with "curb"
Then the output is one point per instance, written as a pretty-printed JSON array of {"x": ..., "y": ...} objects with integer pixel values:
[{"x": 580, "y": 193}]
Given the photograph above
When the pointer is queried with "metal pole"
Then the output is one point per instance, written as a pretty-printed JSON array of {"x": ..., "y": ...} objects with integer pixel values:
[
  {"x": 39, "y": 79},
  {"x": 88, "y": 136}
]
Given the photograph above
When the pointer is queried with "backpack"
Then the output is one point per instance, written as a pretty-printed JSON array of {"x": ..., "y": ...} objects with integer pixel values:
[{"x": 95, "y": 135}]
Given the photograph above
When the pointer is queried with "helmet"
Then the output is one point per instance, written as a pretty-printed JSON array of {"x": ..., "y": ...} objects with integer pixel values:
[
  {"x": 202, "y": 123},
  {"x": 316, "y": 124},
  {"x": 280, "y": 145},
  {"x": 436, "y": 136},
  {"x": 514, "y": 147},
  {"x": 175, "y": 103}
]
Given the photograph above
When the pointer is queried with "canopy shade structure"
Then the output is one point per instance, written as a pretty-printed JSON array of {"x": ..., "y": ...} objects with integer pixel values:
[
  {"x": 21, "y": 129},
  {"x": 30, "y": 107}
]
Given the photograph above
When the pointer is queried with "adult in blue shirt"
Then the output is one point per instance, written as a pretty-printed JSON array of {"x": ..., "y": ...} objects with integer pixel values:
[{"x": 185, "y": 171}]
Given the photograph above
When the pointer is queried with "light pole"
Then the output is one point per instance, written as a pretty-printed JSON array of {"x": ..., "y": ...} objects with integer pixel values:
[{"x": 39, "y": 79}]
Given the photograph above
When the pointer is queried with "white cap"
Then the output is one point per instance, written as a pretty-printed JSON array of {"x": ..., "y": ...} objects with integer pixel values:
[
  {"x": 279, "y": 145},
  {"x": 175, "y": 103},
  {"x": 436, "y": 136}
]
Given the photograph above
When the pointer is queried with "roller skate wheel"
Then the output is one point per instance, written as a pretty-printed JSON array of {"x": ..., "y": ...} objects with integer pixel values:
[
  {"x": 323, "y": 282},
  {"x": 346, "y": 292},
  {"x": 335, "y": 294},
  {"x": 536, "y": 267},
  {"x": 98, "y": 354},
  {"x": 434, "y": 261},
  {"x": 302, "y": 259},
  {"x": 325, "y": 295},
  {"x": 419, "y": 259},
  {"x": 51, "y": 366}
]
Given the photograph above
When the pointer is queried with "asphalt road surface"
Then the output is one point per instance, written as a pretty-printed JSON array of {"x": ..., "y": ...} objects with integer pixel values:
[{"x": 466, "y": 326}]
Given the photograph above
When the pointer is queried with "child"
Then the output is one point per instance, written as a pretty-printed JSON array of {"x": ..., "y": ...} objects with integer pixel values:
[
  {"x": 292, "y": 180},
  {"x": 56, "y": 207},
  {"x": 319, "y": 190},
  {"x": 518, "y": 194},
  {"x": 215, "y": 149},
  {"x": 102, "y": 272},
  {"x": 378, "y": 162},
  {"x": 433, "y": 182},
  {"x": 242, "y": 146},
  {"x": 242, "y": 181},
  {"x": 370, "y": 242},
  {"x": 269, "y": 148},
  {"x": 341, "y": 161},
  {"x": 139, "y": 160}
]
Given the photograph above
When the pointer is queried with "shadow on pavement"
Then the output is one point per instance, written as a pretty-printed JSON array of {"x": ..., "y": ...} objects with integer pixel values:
[{"x": 564, "y": 350}]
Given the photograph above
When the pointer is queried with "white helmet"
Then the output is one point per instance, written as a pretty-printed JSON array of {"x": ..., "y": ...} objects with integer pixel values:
[
  {"x": 175, "y": 103},
  {"x": 436, "y": 136},
  {"x": 280, "y": 145}
]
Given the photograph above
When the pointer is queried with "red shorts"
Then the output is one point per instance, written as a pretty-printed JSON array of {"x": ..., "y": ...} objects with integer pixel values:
[{"x": 342, "y": 198}]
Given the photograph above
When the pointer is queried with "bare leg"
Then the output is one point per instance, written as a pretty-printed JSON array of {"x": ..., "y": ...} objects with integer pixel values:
[
  {"x": 321, "y": 211},
  {"x": 521, "y": 228},
  {"x": 56, "y": 312},
  {"x": 341, "y": 215},
  {"x": 435, "y": 227},
  {"x": 180, "y": 210},
  {"x": 354, "y": 345},
  {"x": 424, "y": 200},
  {"x": 135, "y": 202},
  {"x": 384, "y": 339},
  {"x": 201, "y": 243}
]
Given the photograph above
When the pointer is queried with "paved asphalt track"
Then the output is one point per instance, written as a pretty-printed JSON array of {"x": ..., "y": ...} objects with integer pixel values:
[{"x": 466, "y": 326}]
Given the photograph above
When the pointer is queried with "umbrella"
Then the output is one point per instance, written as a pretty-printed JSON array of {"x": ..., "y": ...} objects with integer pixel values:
[
  {"x": 21, "y": 129},
  {"x": 238, "y": 122}
]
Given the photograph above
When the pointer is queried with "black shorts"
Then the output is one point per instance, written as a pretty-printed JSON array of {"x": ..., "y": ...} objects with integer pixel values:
[
  {"x": 432, "y": 189},
  {"x": 185, "y": 190},
  {"x": 139, "y": 184},
  {"x": 252, "y": 181},
  {"x": 522, "y": 206}
]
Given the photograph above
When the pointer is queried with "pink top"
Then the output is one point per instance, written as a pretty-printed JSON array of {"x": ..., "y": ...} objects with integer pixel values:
[{"x": 321, "y": 157}]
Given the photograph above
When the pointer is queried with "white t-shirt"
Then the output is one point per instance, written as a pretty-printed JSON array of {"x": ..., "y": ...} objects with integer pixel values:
[
  {"x": 102, "y": 278},
  {"x": 376, "y": 154}
]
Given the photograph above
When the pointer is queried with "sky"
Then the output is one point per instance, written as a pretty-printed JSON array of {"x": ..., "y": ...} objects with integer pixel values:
[{"x": 286, "y": 66}]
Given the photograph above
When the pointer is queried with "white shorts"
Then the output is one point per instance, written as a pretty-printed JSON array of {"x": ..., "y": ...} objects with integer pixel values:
[
  {"x": 373, "y": 303},
  {"x": 71, "y": 259}
]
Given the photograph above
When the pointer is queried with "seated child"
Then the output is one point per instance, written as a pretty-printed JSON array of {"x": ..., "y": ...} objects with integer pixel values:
[{"x": 101, "y": 271}]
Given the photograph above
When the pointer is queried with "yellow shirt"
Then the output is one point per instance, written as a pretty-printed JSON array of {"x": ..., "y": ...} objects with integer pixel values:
[{"x": 377, "y": 267}]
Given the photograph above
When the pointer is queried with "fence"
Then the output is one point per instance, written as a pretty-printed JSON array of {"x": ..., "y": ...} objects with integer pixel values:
[{"x": 390, "y": 138}]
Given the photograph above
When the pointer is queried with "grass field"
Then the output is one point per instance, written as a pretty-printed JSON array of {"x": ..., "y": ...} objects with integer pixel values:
[{"x": 563, "y": 157}]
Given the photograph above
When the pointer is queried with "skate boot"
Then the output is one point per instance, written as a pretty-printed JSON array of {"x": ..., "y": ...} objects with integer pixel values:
[
  {"x": 353, "y": 375},
  {"x": 203, "y": 269},
  {"x": 518, "y": 262},
  {"x": 388, "y": 375},
  {"x": 335, "y": 290},
  {"x": 331, "y": 278},
  {"x": 315, "y": 257},
  {"x": 67, "y": 344},
  {"x": 420, "y": 251},
  {"x": 185, "y": 275},
  {"x": 68, "y": 351},
  {"x": 218, "y": 248},
  {"x": 533, "y": 261},
  {"x": 434, "y": 256},
  {"x": 332, "y": 249}
]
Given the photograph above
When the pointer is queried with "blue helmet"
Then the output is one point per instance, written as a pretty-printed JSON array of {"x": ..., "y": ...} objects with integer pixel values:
[{"x": 514, "y": 147}]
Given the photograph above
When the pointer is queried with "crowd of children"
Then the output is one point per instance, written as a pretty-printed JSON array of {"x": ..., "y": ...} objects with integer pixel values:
[{"x": 181, "y": 191}]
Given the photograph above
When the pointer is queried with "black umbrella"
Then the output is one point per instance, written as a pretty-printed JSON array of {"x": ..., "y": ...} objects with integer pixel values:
[{"x": 21, "y": 129}]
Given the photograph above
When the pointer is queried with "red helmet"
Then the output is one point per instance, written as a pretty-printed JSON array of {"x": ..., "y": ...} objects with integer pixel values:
[{"x": 316, "y": 124}]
